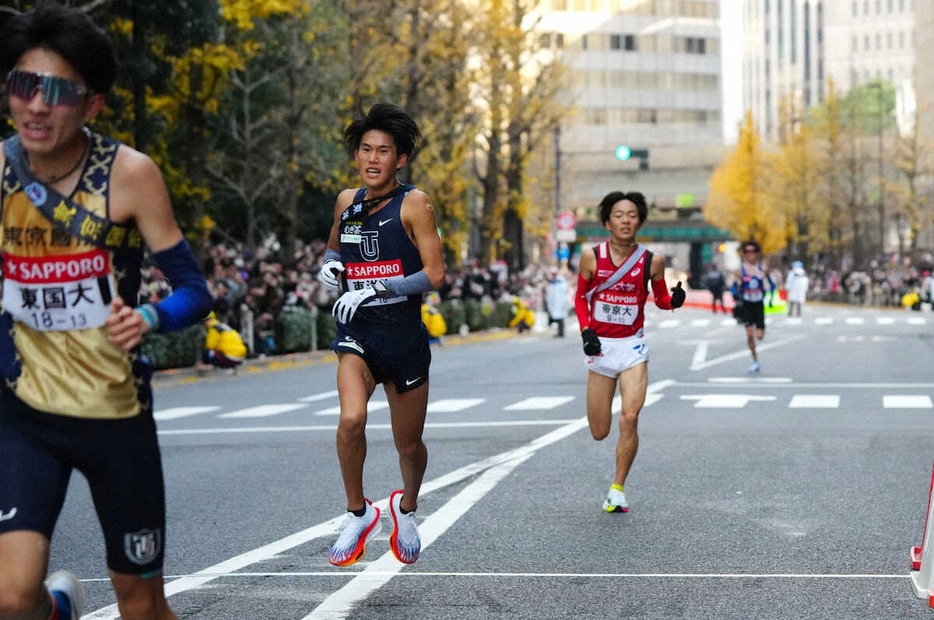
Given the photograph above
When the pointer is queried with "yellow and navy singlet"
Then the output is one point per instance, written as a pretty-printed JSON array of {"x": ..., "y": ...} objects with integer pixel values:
[{"x": 56, "y": 295}]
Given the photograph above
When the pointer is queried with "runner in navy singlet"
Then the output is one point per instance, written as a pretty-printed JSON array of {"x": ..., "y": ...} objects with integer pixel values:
[
  {"x": 749, "y": 296},
  {"x": 384, "y": 253}
]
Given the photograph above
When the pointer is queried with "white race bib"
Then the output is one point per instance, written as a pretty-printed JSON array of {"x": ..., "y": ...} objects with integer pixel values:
[
  {"x": 618, "y": 314},
  {"x": 58, "y": 293}
]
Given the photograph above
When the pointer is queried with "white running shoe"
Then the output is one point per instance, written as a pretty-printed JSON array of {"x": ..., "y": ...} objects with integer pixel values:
[
  {"x": 356, "y": 532},
  {"x": 615, "y": 501},
  {"x": 67, "y": 583},
  {"x": 404, "y": 542},
  {"x": 754, "y": 367}
]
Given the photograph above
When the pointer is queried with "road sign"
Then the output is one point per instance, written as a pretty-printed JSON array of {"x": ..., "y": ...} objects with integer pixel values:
[
  {"x": 565, "y": 235},
  {"x": 565, "y": 221}
]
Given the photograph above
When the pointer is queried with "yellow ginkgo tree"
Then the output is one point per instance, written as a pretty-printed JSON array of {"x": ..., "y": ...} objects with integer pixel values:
[{"x": 739, "y": 200}]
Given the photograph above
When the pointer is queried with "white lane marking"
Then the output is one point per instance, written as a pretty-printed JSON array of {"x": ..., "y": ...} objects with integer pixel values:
[
  {"x": 855, "y": 320},
  {"x": 181, "y": 412},
  {"x": 793, "y": 320},
  {"x": 340, "y": 604},
  {"x": 329, "y": 528},
  {"x": 917, "y": 320},
  {"x": 450, "y": 405},
  {"x": 667, "y": 323},
  {"x": 745, "y": 352},
  {"x": 650, "y": 399},
  {"x": 700, "y": 354},
  {"x": 262, "y": 411},
  {"x": 317, "y": 397},
  {"x": 700, "y": 322},
  {"x": 651, "y": 394},
  {"x": 788, "y": 383},
  {"x": 373, "y": 405},
  {"x": 907, "y": 402},
  {"x": 537, "y": 403},
  {"x": 724, "y": 401},
  {"x": 823, "y": 320},
  {"x": 814, "y": 401},
  {"x": 749, "y": 380},
  {"x": 333, "y": 427},
  {"x": 416, "y": 574},
  {"x": 727, "y": 322},
  {"x": 885, "y": 320}
]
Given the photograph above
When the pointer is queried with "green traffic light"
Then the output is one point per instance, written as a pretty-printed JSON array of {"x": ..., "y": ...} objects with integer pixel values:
[{"x": 623, "y": 153}]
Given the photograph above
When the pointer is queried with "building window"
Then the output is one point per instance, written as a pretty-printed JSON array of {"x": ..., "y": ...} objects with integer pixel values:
[
  {"x": 615, "y": 42},
  {"x": 629, "y": 43}
]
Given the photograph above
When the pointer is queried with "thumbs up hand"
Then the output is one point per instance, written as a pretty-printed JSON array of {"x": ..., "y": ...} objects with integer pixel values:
[{"x": 677, "y": 296}]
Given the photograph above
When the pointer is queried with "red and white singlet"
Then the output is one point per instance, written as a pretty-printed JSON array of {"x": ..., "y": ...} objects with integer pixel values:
[{"x": 618, "y": 311}]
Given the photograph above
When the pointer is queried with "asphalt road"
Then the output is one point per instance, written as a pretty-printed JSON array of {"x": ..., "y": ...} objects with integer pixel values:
[{"x": 797, "y": 492}]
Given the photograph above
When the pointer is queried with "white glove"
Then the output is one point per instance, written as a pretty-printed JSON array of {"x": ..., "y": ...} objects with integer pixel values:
[
  {"x": 330, "y": 275},
  {"x": 346, "y": 305}
]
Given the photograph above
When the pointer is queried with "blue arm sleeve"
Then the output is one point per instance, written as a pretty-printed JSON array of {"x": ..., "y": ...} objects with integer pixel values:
[{"x": 190, "y": 301}]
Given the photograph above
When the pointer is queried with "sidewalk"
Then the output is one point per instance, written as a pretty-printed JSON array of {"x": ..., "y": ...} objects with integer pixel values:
[{"x": 306, "y": 358}]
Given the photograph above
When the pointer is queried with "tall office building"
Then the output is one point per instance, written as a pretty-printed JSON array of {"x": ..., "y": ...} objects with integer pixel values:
[
  {"x": 644, "y": 74},
  {"x": 793, "y": 48},
  {"x": 783, "y": 59}
]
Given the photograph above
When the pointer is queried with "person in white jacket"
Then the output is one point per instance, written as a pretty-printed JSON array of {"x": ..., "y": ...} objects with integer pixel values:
[
  {"x": 557, "y": 299},
  {"x": 796, "y": 284}
]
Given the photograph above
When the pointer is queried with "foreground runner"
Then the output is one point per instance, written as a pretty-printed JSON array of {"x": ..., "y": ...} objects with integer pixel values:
[
  {"x": 611, "y": 293},
  {"x": 76, "y": 393},
  {"x": 385, "y": 242}
]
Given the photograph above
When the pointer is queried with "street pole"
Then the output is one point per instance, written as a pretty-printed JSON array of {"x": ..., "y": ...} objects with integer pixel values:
[
  {"x": 878, "y": 87},
  {"x": 557, "y": 170},
  {"x": 559, "y": 245}
]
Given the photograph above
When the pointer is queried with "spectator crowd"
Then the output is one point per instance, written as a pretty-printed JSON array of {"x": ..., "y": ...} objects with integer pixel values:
[{"x": 252, "y": 287}]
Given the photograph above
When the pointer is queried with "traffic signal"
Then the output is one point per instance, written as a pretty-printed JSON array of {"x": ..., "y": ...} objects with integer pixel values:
[{"x": 625, "y": 153}]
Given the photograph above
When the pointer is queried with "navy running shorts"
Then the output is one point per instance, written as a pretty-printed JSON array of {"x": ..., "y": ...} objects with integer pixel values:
[
  {"x": 752, "y": 314},
  {"x": 119, "y": 458},
  {"x": 402, "y": 358}
]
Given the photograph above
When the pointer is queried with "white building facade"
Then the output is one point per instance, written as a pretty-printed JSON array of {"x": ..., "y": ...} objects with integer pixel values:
[
  {"x": 644, "y": 74},
  {"x": 784, "y": 59},
  {"x": 794, "y": 48}
]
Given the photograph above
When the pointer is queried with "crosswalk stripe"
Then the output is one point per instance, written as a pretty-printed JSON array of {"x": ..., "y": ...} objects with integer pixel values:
[
  {"x": 374, "y": 405},
  {"x": 181, "y": 412},
  {"x": 814, "y": 401},
  {"x": 724, "y": 401},
  {"x": 317, "y": 397},
  {"x": 539, "y": 403},
  {"x": 262, "y": 411},
  {"x": 451, "y": 405},
  {"x": 907, "y": 402}
]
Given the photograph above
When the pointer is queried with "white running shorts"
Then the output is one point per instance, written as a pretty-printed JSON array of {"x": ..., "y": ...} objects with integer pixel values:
[{"x": 618, "y": 354}]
